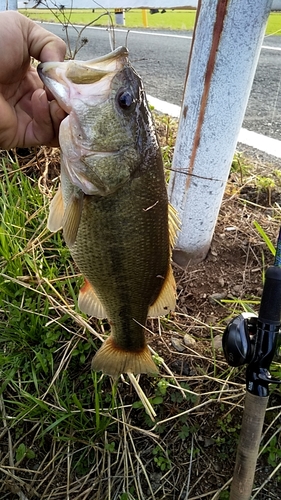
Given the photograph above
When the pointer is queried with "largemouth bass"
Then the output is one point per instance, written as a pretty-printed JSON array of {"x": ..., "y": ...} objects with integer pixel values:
[{"x": 113, "y": 204}]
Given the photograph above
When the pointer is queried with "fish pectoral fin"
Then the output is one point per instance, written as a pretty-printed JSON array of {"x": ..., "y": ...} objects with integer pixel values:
[
  {"x": 174, "y": 224},
  {"x": 112, "y": 360},
  {"x": 56, "y": 212},
  {"x": 89, "y": 303},
  {"x": 166, "y": 300},
  {"x": 72, "y": 217}
]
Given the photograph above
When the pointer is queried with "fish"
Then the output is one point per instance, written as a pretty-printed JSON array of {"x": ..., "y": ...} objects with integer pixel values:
[{"x": 112, "y": 204}]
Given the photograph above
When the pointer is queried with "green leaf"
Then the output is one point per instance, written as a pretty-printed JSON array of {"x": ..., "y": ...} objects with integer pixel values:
[
  {"x": 184, "y": 433},
  {"x": 265, "y": 238},
  {"x": 30, "y": 454},
  {"x": 77, "y": 402},
  {"x": 20, "y": 453},
  {"x": 55, "y": 424},
  {"x": 137, "y": 404},
  {"x": 158, "y": 400},
  {"x": 110, "y": 447}
]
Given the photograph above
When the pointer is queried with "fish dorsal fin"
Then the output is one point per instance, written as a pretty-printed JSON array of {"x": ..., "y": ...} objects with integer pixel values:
[
  {"x": 166, "y": 300},
  {"x": 174, "y": 224},
  {"x": 56, "y": 212},
  {"x": 72, "y": 217},
  {"x": 89, "y": 303}
]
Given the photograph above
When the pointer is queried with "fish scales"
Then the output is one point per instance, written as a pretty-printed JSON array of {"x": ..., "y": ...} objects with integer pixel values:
[
  {"x": 113, "y": 204},
  {"x": 123, "y": 253}
]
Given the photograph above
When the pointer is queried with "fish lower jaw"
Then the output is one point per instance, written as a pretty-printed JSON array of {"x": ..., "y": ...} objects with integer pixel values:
[{"x": 112, "y": 360}]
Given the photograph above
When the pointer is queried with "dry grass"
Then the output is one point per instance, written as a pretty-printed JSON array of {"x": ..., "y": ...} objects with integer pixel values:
[{"x": 104, "y": 445}]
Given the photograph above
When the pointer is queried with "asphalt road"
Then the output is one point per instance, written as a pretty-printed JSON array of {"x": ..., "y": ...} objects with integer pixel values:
[{"x": 161, "y": 60}]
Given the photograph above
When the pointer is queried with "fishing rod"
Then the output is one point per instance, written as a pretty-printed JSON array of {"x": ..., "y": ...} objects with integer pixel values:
[{"x": 253, "y": 340}]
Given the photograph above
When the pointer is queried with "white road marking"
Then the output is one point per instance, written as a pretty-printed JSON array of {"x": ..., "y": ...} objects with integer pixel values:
[
  {"x": 253, "y": 139},
  {"x": 151, "y": 33}
]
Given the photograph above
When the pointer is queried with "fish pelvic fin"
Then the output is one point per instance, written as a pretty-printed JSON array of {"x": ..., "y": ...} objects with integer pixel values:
[
  {"x": 89, "y": 303},
  {"x": 55, "y": 218},
  {"x": 166, "y": 300},
  {"x": 112, "y": 360},
  {"x": 174, "y": 224},
  {"x": 72, "y": 217}
]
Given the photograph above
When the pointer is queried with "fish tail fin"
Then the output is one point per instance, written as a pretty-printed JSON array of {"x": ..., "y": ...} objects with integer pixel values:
[{"x": 112, "y": 360}]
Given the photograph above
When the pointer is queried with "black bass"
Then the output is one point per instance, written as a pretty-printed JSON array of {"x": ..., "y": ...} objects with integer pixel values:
[{"x": 113, "y": 204}]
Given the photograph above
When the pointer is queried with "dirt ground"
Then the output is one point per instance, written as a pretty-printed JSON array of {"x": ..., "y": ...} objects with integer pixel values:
[{"x": 210, "y": 293}]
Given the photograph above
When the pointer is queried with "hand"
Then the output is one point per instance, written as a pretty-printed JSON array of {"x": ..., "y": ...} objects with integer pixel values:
[{"x": 27, "y": 117}]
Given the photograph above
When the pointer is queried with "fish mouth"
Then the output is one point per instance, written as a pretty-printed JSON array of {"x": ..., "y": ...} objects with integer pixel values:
[{"x": 89, "y": 80}]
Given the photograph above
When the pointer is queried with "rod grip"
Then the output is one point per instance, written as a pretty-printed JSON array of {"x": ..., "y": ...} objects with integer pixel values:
[
  {"x": 248, "y": 447},
  {"x": 270, "y": 306}
]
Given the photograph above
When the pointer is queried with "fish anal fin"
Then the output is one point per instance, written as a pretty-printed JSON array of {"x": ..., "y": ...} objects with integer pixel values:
[
  {"x": 72, "y": 217},
  {"x": 89, "y": 303},
  {"x": 56, "y": 212},
  {"x": 112, "y": 360},
  {"x": 174, "y": 224},
  {"x": 166, "y": 300}
]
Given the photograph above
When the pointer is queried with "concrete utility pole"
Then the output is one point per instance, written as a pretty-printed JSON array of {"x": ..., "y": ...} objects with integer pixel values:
[
  {"x": 225, "y": 49},
  {"x": 8, "y": 5}
]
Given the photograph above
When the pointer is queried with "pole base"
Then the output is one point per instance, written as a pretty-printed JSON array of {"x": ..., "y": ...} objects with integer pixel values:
[{"x": 184, "y": 258}]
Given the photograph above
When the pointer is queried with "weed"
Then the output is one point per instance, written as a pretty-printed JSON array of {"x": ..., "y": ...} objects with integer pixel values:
[
  {"x": 22, "y": 452},
  {"x": 161, "y": 458},
  {"x": 127, "y": 496},
  {"x": 224, "y": 495},
  {"x": 265, "y": 238},
  {"x": 266, "y": 184},
  {"x": 184, "y": 433},
  {"x": 273, "y": 451},
  {"x": 239, "y": 166}
]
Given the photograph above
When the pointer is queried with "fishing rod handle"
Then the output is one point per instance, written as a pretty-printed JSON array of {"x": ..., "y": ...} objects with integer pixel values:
[
  {"x": 248, "y": 447},
  {"x": 270, "y": 306}
]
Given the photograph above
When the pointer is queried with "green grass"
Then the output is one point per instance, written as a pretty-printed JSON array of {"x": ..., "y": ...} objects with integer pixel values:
[
  {"x": 41, "y": 350},
  {"x": 171, "y": 19},
  {"x": 176, "y": 20},
  {"x": 67, "y": 432},
  {"x": 274, "y": 24},
  {"x": 60, "y": 421}
]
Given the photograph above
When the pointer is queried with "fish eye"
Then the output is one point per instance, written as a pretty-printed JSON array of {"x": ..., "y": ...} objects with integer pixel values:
[{"x": 125, "y": 99}]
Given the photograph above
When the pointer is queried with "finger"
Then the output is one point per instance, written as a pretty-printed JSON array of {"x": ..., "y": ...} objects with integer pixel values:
[
  {"x": 40, "y": 130},
  {"x": 8, "y": 125},
  {"x": 57, "y": 114},
  {"x": 43, "y": 45}
]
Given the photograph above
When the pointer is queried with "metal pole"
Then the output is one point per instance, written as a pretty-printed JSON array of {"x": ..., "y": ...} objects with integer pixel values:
[
  {"x": 8, "y": 5},
  {"x": 3, "y": 5},
  {"x": 144, "y": 18},
  {"x": 13, "y": 4},
  {"x": 120, "y": 16},
  {"x": 225, "y": 49}
]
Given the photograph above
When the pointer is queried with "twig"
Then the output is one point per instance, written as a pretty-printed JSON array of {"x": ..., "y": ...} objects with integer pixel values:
[
  {"x": 267, "y": 480},
  {"x": 147, "y": 406},
  {"x": 190, "y": 468}
]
